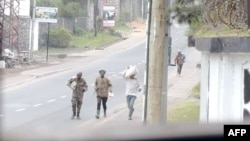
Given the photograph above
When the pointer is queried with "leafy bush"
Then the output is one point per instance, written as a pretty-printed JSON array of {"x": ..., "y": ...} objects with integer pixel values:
[
  {"x": 59, "y": 37},
  {"x": 78, "y": 31},
  {"x": 111, "y": 31}
]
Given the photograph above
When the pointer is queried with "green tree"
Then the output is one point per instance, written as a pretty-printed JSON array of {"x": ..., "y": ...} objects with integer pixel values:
[
  {"x": 230, "y": 13},
  {"x": 70, "y": 10},
  {"x": 189, "y": 12},
  {"x": 49, "y": 3},
  {"x": 82, "y": 5}
]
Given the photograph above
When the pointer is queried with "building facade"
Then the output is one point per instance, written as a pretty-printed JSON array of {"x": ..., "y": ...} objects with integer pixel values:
[{"x": 225, "y": 79}]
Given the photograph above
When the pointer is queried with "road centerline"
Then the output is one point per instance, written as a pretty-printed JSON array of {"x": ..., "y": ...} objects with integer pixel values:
[
  {"x": 64, "y": 96},
  {"x": 19, "y": 110},
  {"x": 36, "y": 105},
  {"x": 51, "y": 100}
]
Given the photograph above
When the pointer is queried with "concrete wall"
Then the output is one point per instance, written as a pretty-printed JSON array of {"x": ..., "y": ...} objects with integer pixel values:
[
  {"x": 24, "y": 36},
  {"x": 223, "y": 44},
  {"x": 91, "y": 14},
  {"x": 222, "y": 86}
]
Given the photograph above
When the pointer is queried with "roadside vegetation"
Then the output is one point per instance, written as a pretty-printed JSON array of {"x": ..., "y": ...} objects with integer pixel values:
[
  {"x": 212, "y": 18},
  {"x": 187, "y": 110},
  {"x": 207, "y": 31},
  {"x": 62, "y": 41},
  {"x": 88, "y": 41},
  {"x": 77, "y": 38}
]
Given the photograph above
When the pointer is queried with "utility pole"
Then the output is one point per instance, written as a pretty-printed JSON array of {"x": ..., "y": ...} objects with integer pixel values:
[
  {"x": 165, "y": 70},
  {"x": 148, "y": 23},
  {"x": 156, "y": 62},
  {"x": 131, "y": 13},
  {"x": 95, "y": 16},
  {"x": 248, "y": 14},
  {"x": 142, "y": 8},
  {"x": 32, "y": 30}
]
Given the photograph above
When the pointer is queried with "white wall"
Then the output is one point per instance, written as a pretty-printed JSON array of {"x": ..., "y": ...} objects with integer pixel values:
[
  {"x": 204, "y": 87},
  {"x": 222, "y": 87},
  {"x": 36, "y": 36}
]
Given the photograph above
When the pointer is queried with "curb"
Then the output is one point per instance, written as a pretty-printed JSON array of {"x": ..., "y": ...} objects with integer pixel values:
[
  {"x": 34, "y": 76},
  {"x": 11, "y": 85}
]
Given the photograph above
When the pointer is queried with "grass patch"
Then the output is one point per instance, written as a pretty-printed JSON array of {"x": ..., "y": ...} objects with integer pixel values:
[
  {"x": 119, "y": 25},
  {"x": 222, "y": 31},
  {"x": 187, "y": 111},
  {"x": 195, "y": 93},
  {"x": 79, "y": 43},
  {"x": 91, "y": 41}
]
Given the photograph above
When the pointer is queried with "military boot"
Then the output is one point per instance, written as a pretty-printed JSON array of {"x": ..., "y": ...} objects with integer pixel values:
[
  {"x": 105, "y": 114},
  {"x": 98, "y": 114},
  {"x": 74, "y": 114},
  {"x": 78, "y": 116}
]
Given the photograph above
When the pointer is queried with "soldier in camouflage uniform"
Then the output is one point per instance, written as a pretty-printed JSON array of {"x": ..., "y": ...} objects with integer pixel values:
[
  {"x": 102, "y": 88},
  {"x": 77, "y": 95}
]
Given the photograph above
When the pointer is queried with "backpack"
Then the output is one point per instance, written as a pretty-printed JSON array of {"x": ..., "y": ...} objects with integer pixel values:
[{"x": 183, "y": 58}]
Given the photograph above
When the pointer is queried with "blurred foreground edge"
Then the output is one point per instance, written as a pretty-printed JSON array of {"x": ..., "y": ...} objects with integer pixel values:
[{"x": 139, "y": 133}]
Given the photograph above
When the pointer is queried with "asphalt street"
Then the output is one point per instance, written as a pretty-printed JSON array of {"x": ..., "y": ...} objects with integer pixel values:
[{"x": 44, "y": 103}]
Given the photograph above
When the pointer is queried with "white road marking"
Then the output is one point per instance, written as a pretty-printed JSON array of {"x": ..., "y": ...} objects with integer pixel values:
[
  {"x": 1, "y": 115},
  {"x": 114, "y": 75},
  {"x": 92, "y": 84},
  {"x": 19, "y": 110},
  {"x": 36, "y": 105},
  {"x": 51, "y": 100},
  {"x": 64, "y": 96},
  {"x": 174, "y": 40}
]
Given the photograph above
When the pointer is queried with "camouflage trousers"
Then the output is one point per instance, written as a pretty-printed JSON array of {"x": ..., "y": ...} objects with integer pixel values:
[{"x": 76, "y": 105}]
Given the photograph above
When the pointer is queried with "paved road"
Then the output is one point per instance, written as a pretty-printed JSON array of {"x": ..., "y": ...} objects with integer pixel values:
[{"x": 45, "y": 102}]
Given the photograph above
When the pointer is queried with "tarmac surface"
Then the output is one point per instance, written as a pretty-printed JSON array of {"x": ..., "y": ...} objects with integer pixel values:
[{"x": 179, "y": 88}]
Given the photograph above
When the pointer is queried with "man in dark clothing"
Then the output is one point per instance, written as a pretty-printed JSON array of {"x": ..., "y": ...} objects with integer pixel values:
[
  {"x": 102, "y": 87},
  {"x": 179, "y": 60}
]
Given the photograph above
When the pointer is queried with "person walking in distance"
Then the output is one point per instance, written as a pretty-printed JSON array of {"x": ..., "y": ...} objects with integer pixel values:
[
  {"x": 179, "y": 60},
  {"x": 102, "y": 88},
  {"x": 132, "y": 88},
  {"x": 79, "y": 86}
]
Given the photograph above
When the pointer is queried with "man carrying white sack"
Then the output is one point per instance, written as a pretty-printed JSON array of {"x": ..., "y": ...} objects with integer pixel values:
[{"x": 132, "y": 88}]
